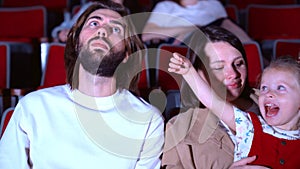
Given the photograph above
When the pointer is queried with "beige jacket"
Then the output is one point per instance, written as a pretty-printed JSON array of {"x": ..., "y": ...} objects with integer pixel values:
[{"x": 195, "y": 140}]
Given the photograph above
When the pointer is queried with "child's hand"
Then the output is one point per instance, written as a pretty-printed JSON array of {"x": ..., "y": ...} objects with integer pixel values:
[{"x": 179, "y": 64}]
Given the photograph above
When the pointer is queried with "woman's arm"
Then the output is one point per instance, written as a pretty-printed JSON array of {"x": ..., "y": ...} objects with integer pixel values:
[
  {"x": 224, "y": 110},
  {"x": 153, "y": 31},
  {"x": 242, "y": 164}
]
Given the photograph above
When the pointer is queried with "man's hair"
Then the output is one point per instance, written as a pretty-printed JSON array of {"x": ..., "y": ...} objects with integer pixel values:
[
  {"x": 129, "y": 76},
  {"x": 196, "y": 43}
]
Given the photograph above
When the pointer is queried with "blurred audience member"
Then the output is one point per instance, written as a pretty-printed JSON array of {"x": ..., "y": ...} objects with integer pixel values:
[
  {"x": 59, "y": 33},
  {"x": 176, "y": 19}
]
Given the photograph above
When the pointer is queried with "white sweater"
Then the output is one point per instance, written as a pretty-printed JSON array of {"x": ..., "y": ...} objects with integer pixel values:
[{"x": 66, "y": 129}]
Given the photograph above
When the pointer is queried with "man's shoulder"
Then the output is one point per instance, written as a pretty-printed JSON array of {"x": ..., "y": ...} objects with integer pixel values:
[
  {"x": 137, "y": 103},
  {"x": 49, "y": 92}
]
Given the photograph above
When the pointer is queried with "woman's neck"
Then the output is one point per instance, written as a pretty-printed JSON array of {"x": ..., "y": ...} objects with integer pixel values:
[{"x": 243, "y": 103}]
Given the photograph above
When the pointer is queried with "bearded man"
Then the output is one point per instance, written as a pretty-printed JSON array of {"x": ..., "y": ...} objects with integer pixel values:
[{"x": 95, "y": 120}]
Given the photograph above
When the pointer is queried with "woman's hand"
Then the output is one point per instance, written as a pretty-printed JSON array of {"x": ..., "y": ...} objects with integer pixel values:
[
  {"x": 179, "y": 64},
  {"x": 242, "y": 164}
]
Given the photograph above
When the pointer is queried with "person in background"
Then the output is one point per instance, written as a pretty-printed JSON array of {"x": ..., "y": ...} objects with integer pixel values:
[
  {"x": 176, "y": 19},
  {"x": 196, "y": 138},
  {"x": 95, "y": 120},
  {"x": 60, "y": 32},
  {"x": 273, "y": 137}
]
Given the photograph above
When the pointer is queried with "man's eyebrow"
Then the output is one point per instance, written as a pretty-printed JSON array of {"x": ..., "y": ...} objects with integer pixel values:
[
  {"x": 95, "y": 17},
  {"x": 117, "y": 23}
]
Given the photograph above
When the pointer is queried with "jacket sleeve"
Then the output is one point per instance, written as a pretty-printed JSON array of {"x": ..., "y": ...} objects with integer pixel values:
[
  {"x": 189, "y": 138},
  {"x": 153, "y": 145},
  {"x": 171, "y": 160},
  {"x": 176, "y": 130}
]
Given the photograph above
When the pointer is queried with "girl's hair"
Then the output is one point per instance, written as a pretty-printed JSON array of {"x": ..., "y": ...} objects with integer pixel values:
[
  {"x": 286, "y": 62},
  {"x": 196, "y": 43},
  {"x": 129, "y": 75}
]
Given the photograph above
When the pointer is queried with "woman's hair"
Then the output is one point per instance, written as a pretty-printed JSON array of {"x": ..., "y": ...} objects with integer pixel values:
[
  {"x": 196, "y": 43},
  {"x": 127, "y": 73}
]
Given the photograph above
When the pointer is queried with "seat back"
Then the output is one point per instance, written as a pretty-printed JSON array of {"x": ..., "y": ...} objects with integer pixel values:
[
  {"x": 23, "y": 22},
  {"x": 173, "y": 104},
  {"x": 242, "y": 4},
  {"x": 255, "y": 62},
  {"x": 17, "y": 3},
  {"x": 5, "y": 119},
  {"x": 144, "y": 82},
  {"x": 49, "y": 4},
  {"x": 269, "y": 22},
  {"x": 4, "y": 65},
  {"x": 24, "y": 28},
  {"x": 54, "y": 73},
  {"x": 232, "y": 12},
  {"x": 287, "y": 47},
  {"x": 58, "y": 5},
  {"x": 75, "y": 9},
  {"x": 166, "y": 80},
  {"x": 146, "y": 5}
]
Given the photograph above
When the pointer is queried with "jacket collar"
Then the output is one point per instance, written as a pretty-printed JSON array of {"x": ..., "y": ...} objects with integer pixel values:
[{"x": 203, "y": 126}]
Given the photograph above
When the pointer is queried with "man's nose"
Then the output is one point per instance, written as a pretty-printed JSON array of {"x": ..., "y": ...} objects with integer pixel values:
[{"x": 103, "y": 32}]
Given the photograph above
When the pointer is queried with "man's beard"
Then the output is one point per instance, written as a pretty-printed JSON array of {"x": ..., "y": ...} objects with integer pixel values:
[{"x": 100, "y": 64}]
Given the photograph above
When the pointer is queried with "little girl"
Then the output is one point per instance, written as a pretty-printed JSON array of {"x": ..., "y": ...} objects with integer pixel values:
[{"x": 273, "y": 138}]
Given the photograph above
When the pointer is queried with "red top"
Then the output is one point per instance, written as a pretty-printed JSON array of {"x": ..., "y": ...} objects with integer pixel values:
[{"x": 271, "y": 151}]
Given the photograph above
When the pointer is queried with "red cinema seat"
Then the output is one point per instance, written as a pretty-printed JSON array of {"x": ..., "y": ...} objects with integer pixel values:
[
  {"x": 255, "y": 62},
  {"x": 54, "y": 73},
  {"x": 287, "y": 47},
  {"x": 166, "y": 80}
]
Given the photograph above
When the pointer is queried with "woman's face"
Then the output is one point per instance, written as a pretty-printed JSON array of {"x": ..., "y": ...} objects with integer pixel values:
[{"x": 226, "y": 70}]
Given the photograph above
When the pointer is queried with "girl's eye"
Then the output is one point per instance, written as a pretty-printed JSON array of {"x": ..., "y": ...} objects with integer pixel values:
[
  {"x": 263, "y": 88},
  {"x": 281, "y": 87}
]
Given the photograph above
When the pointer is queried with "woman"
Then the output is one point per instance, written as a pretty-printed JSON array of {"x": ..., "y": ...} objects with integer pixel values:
[
  {"x": 196, "y": 138},
  {"x": 176, "y": 19}
]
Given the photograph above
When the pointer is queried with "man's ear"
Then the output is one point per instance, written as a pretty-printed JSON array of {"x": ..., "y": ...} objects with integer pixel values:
[{"x": 126, "y": 58}]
